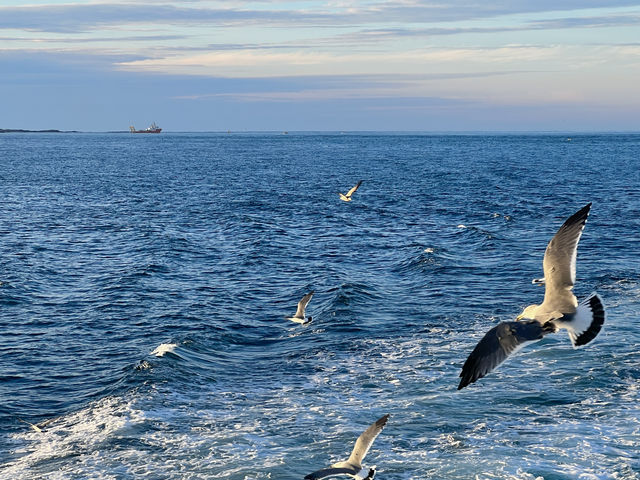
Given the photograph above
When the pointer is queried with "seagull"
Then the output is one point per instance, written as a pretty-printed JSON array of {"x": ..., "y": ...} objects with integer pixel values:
[
  {"x": 39, "y": 427},
  {"x": 302, "y": 304},
  {"x": 559, "y": 310},
  {"x": 347, "y": 197},
  {"x": 353, "y": 466}
]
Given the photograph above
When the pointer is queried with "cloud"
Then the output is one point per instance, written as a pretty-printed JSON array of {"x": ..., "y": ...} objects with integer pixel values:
[
  {"x": 80, "y": 92},
  {"x": 47, "y": 67},
  {"x": 266, "y": 63},
  {"x": 80, "y": 18},
  {"x": 458, "y": 10},
  {"x": 83, "y": 17},
  {"x": 387, "y": 34},
  {"x": 374, "y": 64},
  {"x": 89, "y": 39},
  {"x": 346, "y": 87}
]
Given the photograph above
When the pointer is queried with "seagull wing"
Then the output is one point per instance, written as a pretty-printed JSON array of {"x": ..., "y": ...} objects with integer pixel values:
[
  {"x": 560, "y": 264},
  {"x": 302, "y": 304},
  {"x": 365, "y": 440},
  {"x": 32, "y": 425},
  {"x": 353, "y": 190},
  {"x": 497, "y": 344},
  {"x": 330, "y": 472}
]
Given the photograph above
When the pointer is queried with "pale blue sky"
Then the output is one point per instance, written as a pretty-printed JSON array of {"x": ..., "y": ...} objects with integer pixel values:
[{"x": 222, "y": 65}]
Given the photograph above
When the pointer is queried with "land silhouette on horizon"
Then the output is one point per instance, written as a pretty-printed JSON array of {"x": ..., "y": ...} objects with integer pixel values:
[{"x": 21, "y": 130}]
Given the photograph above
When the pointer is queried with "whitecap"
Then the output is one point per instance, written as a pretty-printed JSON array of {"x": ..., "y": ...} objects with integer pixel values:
[{"x": 164, "y": 348}]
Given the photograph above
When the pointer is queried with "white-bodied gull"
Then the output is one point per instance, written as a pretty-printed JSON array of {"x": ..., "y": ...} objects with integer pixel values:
[
  {"x": 302, "y": 304},
  {"x": 559, "y": 310},
  {"x": 347, "y": 197},
  {"x": 38, "y": 427},
  {"x": 353, "y": 466}
]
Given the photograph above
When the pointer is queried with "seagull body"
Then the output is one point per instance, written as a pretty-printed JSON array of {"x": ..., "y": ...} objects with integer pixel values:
[
  {"x": 353, "y": 466},
  {"x": 302, "y": 304},
  {"x": 559, "y": 310},
  {"x": 347, "y": 197},
  {"x": 38, "y": 427}
]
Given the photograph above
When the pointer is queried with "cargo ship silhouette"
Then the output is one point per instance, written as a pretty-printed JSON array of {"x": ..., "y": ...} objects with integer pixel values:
[{"x": 153, "y": 128}]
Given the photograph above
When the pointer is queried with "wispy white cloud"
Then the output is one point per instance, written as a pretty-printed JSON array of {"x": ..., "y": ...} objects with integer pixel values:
[
  {"x": 254, "y": 63},
  {"x": 396, "y": 33},
  {"x": 84, "y": 17},
  {"x": 79, "y": 17},
  {"x": 81, "y": 40},
  {"x": 348, "y": 87}
]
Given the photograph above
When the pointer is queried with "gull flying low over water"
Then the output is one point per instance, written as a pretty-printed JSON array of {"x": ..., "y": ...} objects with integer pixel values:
[
  {"x": 347, "y": 197},
  {"x": 559, "y": 310},
  {"x": 38, "y": 427},
  {"x": 353, "y": 466},
  {"x": 302, "y": 304}
]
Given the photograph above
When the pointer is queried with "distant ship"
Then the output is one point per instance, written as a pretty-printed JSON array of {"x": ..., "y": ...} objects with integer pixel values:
[{"x": 153, "y": 128}]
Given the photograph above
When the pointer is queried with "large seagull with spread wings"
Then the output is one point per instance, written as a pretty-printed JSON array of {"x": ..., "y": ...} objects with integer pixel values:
[{"x": 559, "y": 309}]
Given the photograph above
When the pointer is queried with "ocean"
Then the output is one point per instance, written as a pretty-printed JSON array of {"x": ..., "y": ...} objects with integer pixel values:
[{"x": 196, "y": 246}]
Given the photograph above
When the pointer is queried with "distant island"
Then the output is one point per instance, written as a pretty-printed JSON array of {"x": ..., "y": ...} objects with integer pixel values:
[{"x": 19, "y": 130}]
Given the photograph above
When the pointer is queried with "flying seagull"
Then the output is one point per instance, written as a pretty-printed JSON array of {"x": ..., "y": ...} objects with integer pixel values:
[
  {"x": 559, "y": 310},
  {"x": 353, "y": 466},
  {"x": 38, "y": 427},
  {"x": 347, "y": 197},
  {"x": 302, "y": 304}
]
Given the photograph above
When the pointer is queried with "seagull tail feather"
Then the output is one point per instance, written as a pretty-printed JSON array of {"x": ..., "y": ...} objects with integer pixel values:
[{"x": 587, "y": 322}]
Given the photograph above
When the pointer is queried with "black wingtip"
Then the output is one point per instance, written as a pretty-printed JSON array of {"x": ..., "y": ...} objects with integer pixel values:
[
  {"x": 597, "y": 310},
  {"x": 467, "y": 379},
  {"x": 382, "y": 421},
  {"x": 580, "y": 215},
  {"x": 469, "y": 373},
  {"x": 578, "y": 218},
  {"x": 466, "y": 375}
]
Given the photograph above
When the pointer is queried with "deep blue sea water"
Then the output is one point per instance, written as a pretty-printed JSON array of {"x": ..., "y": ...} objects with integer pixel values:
[{"x": 115, "y": 244}]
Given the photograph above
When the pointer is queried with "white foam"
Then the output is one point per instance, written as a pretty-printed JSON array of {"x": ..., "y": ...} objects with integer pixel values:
[
  {"x": 78, "y": 436},
  {"x": 237, "y": 428},
  {"x": 164, "y": 348}
]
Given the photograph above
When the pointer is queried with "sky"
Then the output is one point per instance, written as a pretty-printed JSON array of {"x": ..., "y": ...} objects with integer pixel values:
[{"x": 338, "y": 65}]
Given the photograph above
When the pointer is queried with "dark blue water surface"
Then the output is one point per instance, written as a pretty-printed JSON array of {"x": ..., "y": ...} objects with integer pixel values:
[{"x": 197, "y": 246}]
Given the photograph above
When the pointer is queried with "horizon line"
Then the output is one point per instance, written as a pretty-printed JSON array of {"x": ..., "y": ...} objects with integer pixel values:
[{"x": 338, "y": 132}]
